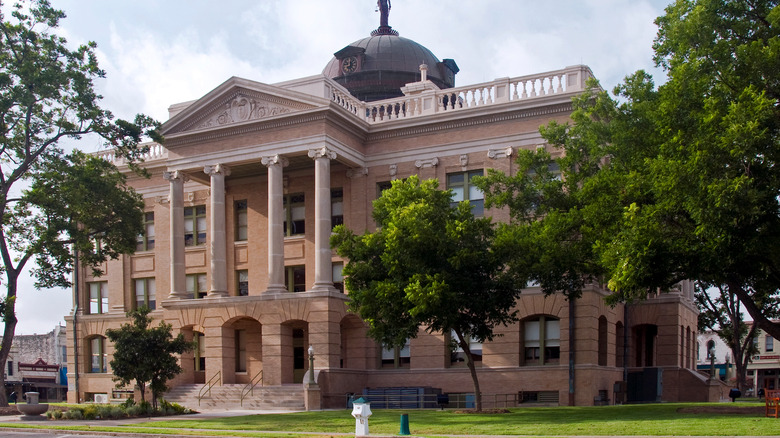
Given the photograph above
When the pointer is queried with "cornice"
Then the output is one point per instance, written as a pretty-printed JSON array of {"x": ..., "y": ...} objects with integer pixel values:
[{"x": 471, "y": 121}]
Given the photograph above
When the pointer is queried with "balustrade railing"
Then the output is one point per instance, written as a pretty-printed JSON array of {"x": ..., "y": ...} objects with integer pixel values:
[
  {"x": 155, "y": 151},
  {"x": 568, "y": 80}
]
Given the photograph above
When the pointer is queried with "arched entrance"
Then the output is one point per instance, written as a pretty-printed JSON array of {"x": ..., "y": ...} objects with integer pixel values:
[{"x": 242, "y": 350}]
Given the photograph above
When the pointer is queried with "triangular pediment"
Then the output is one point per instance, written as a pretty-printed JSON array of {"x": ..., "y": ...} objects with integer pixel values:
[{"x": 235, "y": 102}]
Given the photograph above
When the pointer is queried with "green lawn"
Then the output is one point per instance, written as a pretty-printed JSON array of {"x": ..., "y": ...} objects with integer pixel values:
[
  {"x": 651, "y": 419},
  {"x": 655, "y": 419}
]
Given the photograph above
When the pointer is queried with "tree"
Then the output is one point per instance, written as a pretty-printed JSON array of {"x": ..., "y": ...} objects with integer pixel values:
[
  {"x": 54, "y": 203},
  {"x": 722, "y": 314},
  {"x": 429, "y": 264},
  {"x": 146, "y": 355},
  {"x": 680, "y": 181}
]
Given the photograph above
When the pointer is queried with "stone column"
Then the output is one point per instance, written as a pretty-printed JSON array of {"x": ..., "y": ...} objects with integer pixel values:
[
  {"x": 177, "y": 179},
  {"x": 323, "y": 269},
  {"x": 217, "y": 230},
  {"x": 275, "y": 164}
]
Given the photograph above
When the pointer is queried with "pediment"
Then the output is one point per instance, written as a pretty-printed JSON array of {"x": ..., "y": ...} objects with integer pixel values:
[{"x": 235, "y": 102}]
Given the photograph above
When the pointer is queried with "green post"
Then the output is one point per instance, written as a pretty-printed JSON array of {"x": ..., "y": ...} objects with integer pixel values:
[{"x": 404, "y": 425}]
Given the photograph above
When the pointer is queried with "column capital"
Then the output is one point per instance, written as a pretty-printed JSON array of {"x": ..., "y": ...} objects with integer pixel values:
[
  {"x": 275, "y": 160},
  {"x": 171, "y": 175},
  {"x": 322, "y": 152},
  {"x": 216, "y": 169}
]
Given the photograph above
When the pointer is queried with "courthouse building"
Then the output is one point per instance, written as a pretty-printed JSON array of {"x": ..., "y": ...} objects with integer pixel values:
[{"x": 239, "y": 210}]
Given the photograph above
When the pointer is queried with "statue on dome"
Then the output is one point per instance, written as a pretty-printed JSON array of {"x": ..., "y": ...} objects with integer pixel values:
[{"x": 383, "y": 6}]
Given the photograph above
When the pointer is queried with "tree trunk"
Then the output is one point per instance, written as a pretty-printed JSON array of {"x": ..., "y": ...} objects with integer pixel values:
[
  {"x": 8, "y": 333},
  {"x": 472, "y": 369}
]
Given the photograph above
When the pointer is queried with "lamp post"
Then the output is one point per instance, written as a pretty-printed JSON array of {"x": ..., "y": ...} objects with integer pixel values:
[
  {"x": 311, "y": 365},
  {"x": 712, "y": 363}
]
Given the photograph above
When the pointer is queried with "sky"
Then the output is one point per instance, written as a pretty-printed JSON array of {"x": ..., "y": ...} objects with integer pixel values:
[{"x": 159, "y": 52}]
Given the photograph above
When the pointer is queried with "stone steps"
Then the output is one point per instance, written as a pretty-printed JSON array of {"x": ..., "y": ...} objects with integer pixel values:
[{"x": 285, "y": 397}]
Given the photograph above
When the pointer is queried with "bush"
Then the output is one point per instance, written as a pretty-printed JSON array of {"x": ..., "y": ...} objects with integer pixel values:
[
  {"x": 104, "y": 411},
  {"x": 116, "y": 412},
  {"x": 134, "y": 411},
  {"x": 172, "y": 408},
  {"x": 74, "y": 414},
  {"x": 57, "y": 414},
  {"x": 146, "y": 408},
  {"x": 129, "y": 402},
  {"x": 90, "y": 412}
]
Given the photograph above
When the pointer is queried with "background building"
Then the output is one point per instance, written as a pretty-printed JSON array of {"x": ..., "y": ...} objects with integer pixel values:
[
  {"x": 38, "y": 363},
  {"x": 239, "y": 210}
]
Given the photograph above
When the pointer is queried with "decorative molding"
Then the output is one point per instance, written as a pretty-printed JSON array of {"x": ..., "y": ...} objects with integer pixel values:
[
  {"x": 464, "y": 160},
  {"x": 322, "y": 152},
  {"x": 357, "y": 172},
  {"x": 163, "y": 200},
  {"x": 242, "y": 108},
  {"x": 430, "y": 162},
  {"x": 275, "y": 160},
  {"x": 215, "y": 169},
  {"x": 500, "y": 153},
  {"x": 393, "y": 169}
]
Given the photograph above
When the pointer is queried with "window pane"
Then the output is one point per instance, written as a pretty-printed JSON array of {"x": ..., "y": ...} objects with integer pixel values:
[{"x": 152, "y": 293}]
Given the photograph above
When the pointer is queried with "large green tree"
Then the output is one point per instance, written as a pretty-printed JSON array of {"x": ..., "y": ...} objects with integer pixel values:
[
  {"x": 54, "y": 203},
  {"x": 429, "y": 265},
  {"x": 146, "y": 355},
  {"x": 677, "y": 182}
]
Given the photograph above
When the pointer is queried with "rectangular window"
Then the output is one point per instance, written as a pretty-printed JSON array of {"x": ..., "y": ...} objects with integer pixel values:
[
  {"x": 242, "y": 280},
  {"x": 769, "y": 343},
  {"x": 195, "y": 225},
  {"x": 542, "y": 341},
  {"x": 396, "y": 357},
  {"x": 294, "y": 214},
  {"x": 463, "y": 189},
  {"x": 338, "y": 277},
  {"x": 146, "y": 238},
  {"x": 10, "y": 368},
  {"x": 240, "y": 350},
  {"x": 145, "y": 293},
  {"x": 382, "y": 186},
  {"x": 458, "y": 355},
  {"x": 98, "y": 297},
  {"x": 97, "y": 352},
  {"x": 336, "y": 207},
  {"x": 197, "y": 287},
  {"x": 295, "y": 278},
  {"x": 242, "y": 224}
]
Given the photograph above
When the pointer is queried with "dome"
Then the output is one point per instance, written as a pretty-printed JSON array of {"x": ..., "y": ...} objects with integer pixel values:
[{"x": 376, "y": 67}]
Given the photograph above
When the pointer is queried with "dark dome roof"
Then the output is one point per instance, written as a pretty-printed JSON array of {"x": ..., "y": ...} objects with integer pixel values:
[{"x": 385, "y": 62}]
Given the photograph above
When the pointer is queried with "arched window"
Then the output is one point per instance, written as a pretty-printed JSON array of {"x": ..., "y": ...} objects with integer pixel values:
[
  {"x": 97, "y": 355},
  {"x": 458, "y": 356},
  {"x": 619, "y": 345},
  {"x": 602, "y": 341},
  {"x": 541, "y": 340}
]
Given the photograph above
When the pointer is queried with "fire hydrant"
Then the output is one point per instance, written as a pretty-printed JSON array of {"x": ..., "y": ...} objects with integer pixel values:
[{"x": 361, "y": 410}]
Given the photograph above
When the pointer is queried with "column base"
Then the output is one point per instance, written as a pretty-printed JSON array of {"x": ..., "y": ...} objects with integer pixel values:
[
  {"x": 324, "y": 287},
  {"x": 178, "y": 295},
  {"x": 312, "y": 395},
  {"x": 276, "y": 289},
  {"x": 217, "y": 294}
]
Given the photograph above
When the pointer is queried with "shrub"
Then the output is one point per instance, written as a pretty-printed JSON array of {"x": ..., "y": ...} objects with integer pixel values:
[
  {"x": 129, "y": 402},
  {"x": 90, "y": 412},
  {"x": 146, "y": 408},
  {"x": 57, "y": 414},
  {"x": 134, "y": 411},
  {"x": 74, "y": 414},
  {"x": 116, "y": 412}
]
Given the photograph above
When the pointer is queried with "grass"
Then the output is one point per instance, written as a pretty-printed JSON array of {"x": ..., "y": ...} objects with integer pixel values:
[{"x": 651, "y": 419}]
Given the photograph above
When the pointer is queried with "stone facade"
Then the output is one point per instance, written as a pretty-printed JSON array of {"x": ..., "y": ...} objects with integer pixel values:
[{"x": 240, "y": 205}]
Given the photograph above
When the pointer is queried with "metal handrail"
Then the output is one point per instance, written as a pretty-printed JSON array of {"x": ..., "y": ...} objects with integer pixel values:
[
  {"x": 207, "y": 386},
  {"x": 250, "y": 387}
]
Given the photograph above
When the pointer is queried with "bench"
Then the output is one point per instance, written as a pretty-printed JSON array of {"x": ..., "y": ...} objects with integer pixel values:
[{"x": 772, "y": 401}]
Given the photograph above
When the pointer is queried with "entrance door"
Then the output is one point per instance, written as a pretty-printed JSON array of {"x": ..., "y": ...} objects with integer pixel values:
[{"x": 299, "y": 356}]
